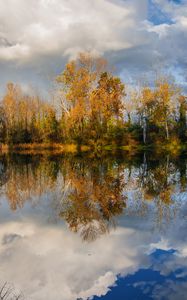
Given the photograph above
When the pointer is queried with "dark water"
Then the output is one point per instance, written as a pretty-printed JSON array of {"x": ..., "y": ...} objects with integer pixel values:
[{"x": 76, "y": 227}]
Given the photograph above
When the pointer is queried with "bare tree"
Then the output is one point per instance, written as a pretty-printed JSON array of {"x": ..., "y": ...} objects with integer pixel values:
[{"x": 8, "y": 292}]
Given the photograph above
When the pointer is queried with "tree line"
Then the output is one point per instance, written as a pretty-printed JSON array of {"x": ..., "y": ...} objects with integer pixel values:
[{"x": 91, "y": 106}]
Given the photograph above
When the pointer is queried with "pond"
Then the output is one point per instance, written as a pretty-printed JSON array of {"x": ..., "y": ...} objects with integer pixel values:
[{"x": 86, "y": 227}]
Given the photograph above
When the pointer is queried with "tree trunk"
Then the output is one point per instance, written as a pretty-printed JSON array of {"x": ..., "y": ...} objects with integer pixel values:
[
  {"x": 144, "y": 130},
  {"x": 167, "y": 131},
  {"x": 129, "y": 118}
]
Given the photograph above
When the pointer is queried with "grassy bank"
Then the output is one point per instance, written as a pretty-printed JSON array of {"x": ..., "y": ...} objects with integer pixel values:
[
  {"x": 173, "y": 147},
  {"x": 42, "y": 147}
]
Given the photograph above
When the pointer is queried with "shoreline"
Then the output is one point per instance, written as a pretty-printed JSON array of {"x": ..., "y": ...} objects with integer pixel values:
[{"x": 58, "y": 148}]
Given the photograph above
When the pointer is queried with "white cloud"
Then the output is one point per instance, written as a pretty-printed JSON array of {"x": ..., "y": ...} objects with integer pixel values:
[
  {"x": 39, "y": 36},
  {"x": 34, "y": 28}
]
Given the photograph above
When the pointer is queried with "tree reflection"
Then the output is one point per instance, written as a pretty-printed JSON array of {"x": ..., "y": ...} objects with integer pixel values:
[
  {"x": 27, "y": 178},
  {"x": 3, "y": 171},
  {"x": 158, "y": 184},
  {"x": 90, "y": 192},
  {"x": 95, "y": 196}
]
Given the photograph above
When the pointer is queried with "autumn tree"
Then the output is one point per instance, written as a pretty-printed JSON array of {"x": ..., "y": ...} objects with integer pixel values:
[
  {"x": 157, "y": 108},
  {"x": 76, "y": 83},
  {"x": 146, "y": 110},
  {"x": 165, "y": 93},
  {"x": 9, "y": 105},
  {"x": 91, "y": 97},
  {"x": 27, "y": 118},
  {"x": 106, "y": 105}
]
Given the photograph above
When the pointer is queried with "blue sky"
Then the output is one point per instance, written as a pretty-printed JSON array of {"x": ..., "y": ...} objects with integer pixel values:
[
  {"x": 157, "y": 15},
  {"x": 139, "y": 37}
]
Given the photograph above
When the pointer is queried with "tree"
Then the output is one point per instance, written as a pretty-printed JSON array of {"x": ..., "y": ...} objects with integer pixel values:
[
  {"x": 157, "y": 108},
  {"x": 9, "y": 105},
  {"x": 182, "y": 129},
  {"x": 164, "y": 94},
  {"x": 7, "y": 292},
  {"x": 146, "y": 110},
  {"x": 91, "y": 97},
  {"x": 2, "y": 125},
  {"x": 77, "y": 82},
  {"x": 50, "y": 126}
]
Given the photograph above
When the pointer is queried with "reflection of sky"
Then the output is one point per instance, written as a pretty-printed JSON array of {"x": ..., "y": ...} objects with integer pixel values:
[
  {"x": 47, "y": 261},
  {"x": 165, "y": 278}
]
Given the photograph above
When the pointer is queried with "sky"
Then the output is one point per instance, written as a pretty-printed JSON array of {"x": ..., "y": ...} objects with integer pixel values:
[{"x": 138, "y": 37}]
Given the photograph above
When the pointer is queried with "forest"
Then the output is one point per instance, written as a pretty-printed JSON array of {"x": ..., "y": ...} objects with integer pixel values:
[{"x": 91, "y": 106}]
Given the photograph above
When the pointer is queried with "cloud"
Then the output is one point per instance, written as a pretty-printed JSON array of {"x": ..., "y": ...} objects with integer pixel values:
[
  {"x": 37, "y": 28},
  {"x": 37, "y": 37}
]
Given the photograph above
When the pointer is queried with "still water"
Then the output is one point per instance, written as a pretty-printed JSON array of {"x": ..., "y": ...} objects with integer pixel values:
[{"x": 105, "y": 228}]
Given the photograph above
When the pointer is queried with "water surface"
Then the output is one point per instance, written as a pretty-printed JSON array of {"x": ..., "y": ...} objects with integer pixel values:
[{"x": 81, "y": 227}]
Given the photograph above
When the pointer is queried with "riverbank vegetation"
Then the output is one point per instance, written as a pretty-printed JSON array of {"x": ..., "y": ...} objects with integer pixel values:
[{"x": 92, "y": 108}]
